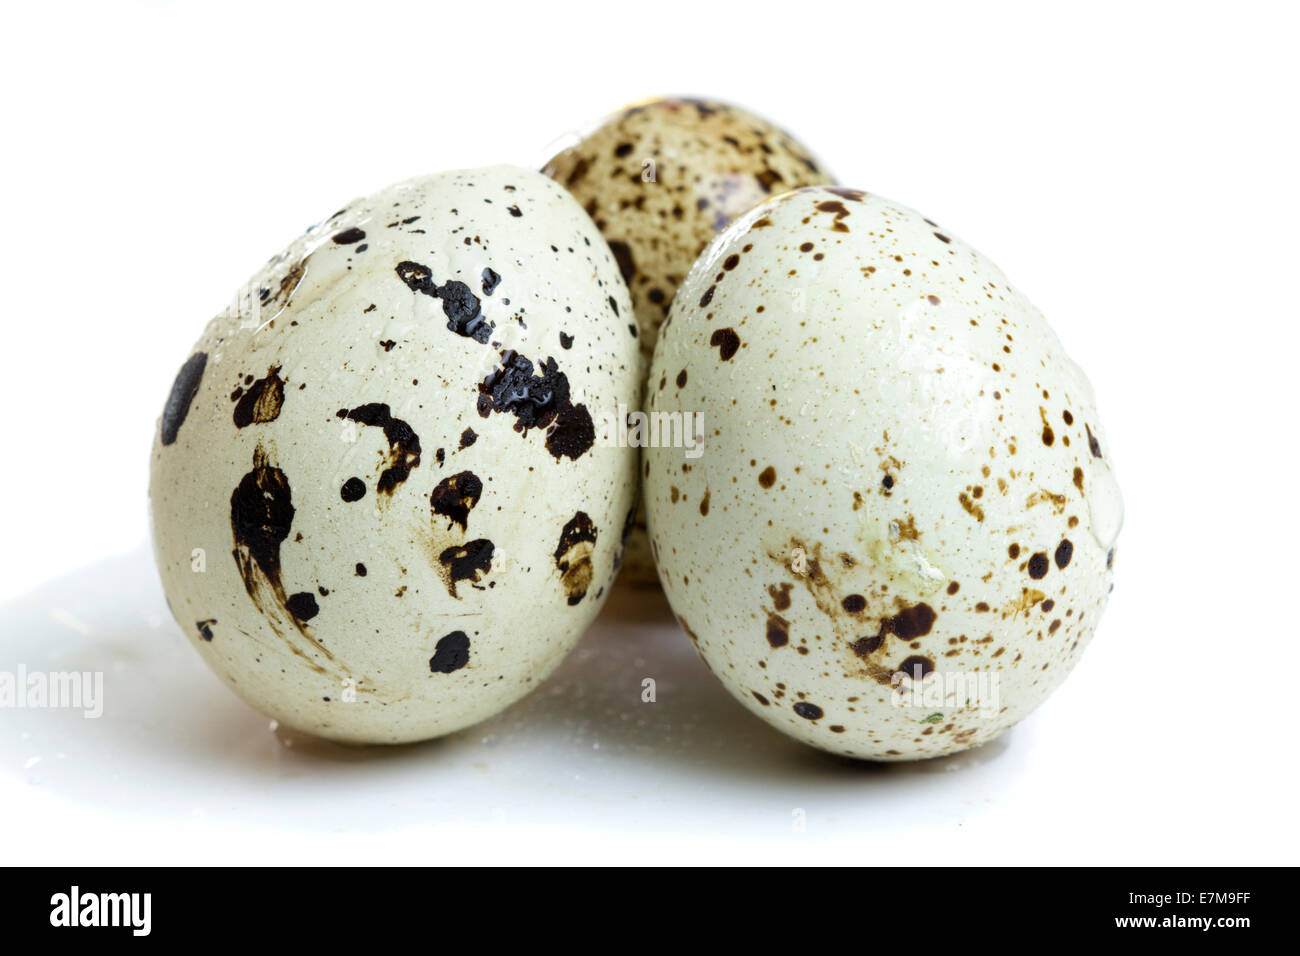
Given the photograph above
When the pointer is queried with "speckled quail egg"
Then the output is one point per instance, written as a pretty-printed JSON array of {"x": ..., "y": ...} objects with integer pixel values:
[
  {"x": 897, "y": 536},
  {"x": 381, "y": 507},
  {"x": 661, "y": 179}
]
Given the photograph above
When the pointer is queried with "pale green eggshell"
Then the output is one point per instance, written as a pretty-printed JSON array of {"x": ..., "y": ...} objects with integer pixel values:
[
  {"x": 360, "y": 537},
  {"x": 901, "y": 468}
]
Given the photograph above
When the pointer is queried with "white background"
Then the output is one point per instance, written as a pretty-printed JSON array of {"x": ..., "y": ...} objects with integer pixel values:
[{"x": 1133, "y": 167}]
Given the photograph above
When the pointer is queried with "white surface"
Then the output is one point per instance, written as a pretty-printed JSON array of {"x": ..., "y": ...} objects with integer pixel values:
[{"x": 1132, "y": 170}]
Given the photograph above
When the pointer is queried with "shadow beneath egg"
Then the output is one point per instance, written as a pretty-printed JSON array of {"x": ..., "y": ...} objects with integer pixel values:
[
  {"x": 692, "y": 723},
  {"x": 629, "y": 602},
  {"x": 632, "y": 706}
]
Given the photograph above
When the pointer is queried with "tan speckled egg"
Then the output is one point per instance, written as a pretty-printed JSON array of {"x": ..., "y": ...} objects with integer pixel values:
[
  {"x": 661, "y": 179},
  {"x": 897, "y": 536},
  {"x": 381, "y": 508}
]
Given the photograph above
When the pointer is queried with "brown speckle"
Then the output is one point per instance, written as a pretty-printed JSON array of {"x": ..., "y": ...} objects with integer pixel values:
[
  {"x": 808, "y": 711},
  {"x": 916, "y": 665},
  {"x": 726, "y": 341},
  {"x": 1038, "y": 565},
  {"x": 1093, "y": 445},
  {"x": 778, "y": 630},
  {"x": 573, "y": 556}
]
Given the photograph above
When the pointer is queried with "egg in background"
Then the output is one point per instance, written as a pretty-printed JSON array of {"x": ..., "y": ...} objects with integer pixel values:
[{"x": 661, "y": 178}]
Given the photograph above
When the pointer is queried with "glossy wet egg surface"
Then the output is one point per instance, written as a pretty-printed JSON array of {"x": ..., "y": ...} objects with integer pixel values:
[
  {"x": 899, "y": 536},
  {"x": 381, "y": 511}
]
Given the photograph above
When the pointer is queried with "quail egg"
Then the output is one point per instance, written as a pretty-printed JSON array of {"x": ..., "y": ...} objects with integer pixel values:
[
  {"x": 898, "y": 536},
  {"x": 661, "y": 178},
  {"x": 381, "y": 507}
]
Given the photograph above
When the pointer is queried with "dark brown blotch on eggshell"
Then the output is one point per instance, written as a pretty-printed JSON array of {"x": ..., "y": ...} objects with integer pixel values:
[
  {"x": 808, "y": 711},
  {"x": 403, "y": 442},
  {"x": 538, "y": 400},
  {"x": 455, "y": 496},
  {"x": 471, "y": 561},
  {"x": 450, "y": 654},
  {"x": 184, "y": 387},
  {"x": 778, "y": 630},
  {"x": 573, "y": 556},
  {"x": 1038, "y": 565}
]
